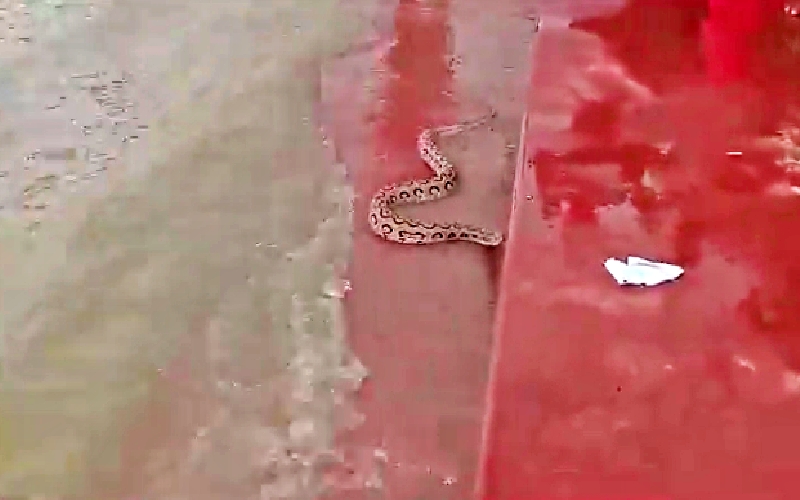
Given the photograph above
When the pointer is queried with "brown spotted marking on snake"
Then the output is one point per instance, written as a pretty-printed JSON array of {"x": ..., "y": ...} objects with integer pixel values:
[{"x": 387, "y": 224}]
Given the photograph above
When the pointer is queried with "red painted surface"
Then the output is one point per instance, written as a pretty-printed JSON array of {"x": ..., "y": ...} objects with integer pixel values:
[
  {"x": 730, "y": 33},
  {"x": 689, "y": 390},
  {"x": 420, "y": 318}
]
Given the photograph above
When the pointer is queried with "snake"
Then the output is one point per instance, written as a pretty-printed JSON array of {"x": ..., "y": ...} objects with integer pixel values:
[{"x": 386, "y": 223}]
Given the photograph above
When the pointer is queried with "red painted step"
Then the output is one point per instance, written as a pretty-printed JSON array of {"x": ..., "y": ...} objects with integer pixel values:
[
  {"x": 420, "y": 318},
  {"x": 689, "y": 390}
]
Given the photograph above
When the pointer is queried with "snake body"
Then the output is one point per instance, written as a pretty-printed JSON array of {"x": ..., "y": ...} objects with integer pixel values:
[{"x": 388, "y": 224}]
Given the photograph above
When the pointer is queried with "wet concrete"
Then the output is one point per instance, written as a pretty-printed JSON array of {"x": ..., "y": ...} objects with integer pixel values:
[
  {"x": 170, "y": 322},
  {"x": 646, "y": 136}
]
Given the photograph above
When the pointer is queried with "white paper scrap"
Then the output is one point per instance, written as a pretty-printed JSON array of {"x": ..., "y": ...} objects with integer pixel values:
[{"x": 639, "y": 271}]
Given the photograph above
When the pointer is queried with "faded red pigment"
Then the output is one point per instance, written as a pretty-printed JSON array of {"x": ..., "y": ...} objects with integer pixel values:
[
  {"x": 420, "y": 318},
  {"x": 685, "y": 391}
]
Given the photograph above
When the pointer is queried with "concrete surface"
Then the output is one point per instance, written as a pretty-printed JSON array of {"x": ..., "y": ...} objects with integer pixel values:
[
  {"x": 166, "y": 330},
  {"x": 690, "y": 389},
  {"x": 421, "y": 318}
]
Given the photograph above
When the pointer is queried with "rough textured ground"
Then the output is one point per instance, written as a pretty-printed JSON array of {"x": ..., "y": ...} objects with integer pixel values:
[{"x": 171, "y": 232}]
